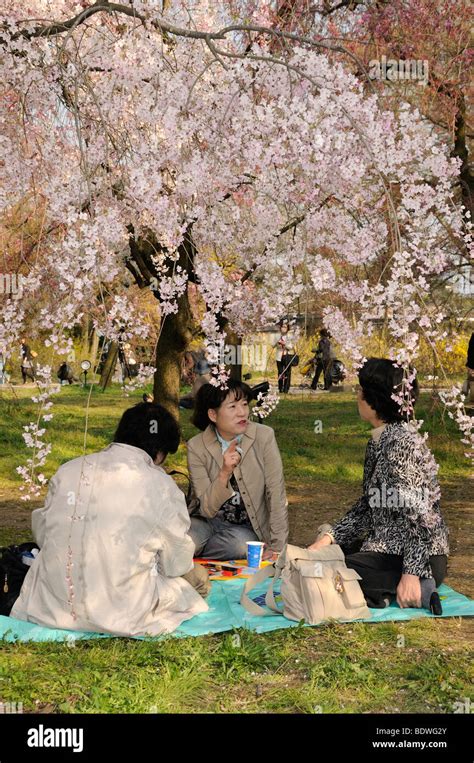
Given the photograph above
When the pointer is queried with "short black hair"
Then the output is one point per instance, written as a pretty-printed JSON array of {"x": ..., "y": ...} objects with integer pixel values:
[
  {"x": 380, "y": 378},
  {"x": 150, "y": 427},
  {"x": 209, "y": 396}
]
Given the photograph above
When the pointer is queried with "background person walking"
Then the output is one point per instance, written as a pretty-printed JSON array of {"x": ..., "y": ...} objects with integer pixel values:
[
  {"x": 323, "y": 360},
  {"x": 27, "y": 368},
  {"x": 285, "y": 352}
]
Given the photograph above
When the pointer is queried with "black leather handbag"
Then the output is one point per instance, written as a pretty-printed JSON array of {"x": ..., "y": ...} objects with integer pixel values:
[
  {"x": 12, "y": 574},
  {"x": 290, "y": 360}
]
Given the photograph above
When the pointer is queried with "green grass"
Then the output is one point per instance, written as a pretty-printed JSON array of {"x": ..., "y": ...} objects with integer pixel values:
[
  {"x": 334, "y": 454},
  {"x": 417, "y": 666},
  {"x": 330, "y": 669}
]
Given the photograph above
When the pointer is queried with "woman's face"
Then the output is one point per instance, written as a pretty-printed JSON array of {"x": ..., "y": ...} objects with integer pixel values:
[{"x": 232, "y": 416}]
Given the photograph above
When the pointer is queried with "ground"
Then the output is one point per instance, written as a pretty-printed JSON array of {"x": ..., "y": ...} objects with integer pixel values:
[{"x": 418, "y": 666}]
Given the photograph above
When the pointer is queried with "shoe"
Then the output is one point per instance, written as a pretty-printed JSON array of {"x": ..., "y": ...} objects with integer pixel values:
[{"x": 435, "y": 604}]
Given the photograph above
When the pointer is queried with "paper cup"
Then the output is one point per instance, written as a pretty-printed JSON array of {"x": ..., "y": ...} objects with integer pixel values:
[{"x": 254, "y": 553}]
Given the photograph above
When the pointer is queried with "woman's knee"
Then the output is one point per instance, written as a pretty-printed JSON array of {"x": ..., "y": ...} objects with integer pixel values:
[
  {"x": 237, "y": 543},
  {"x": 200, "y": 532}
]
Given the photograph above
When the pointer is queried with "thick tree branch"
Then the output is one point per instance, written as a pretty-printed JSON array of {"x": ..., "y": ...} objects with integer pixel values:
[{"x": 103, "y": 6}]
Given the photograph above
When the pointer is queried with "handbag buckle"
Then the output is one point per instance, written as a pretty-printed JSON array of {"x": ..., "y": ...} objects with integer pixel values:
[{"x": 338, "y": 583}]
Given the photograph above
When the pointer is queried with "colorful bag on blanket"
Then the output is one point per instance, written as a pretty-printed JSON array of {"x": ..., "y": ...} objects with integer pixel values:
[{"x": 315, "y": 586}]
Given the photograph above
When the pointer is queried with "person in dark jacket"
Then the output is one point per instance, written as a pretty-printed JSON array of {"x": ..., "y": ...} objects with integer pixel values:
[
  {"x": 27, "y": 367},
  {"x": 65, "y": 373},
  {"x": 323, "y": 360},
  {"x": 470, "y": 353},
  {"x": 203, "y": 376},
  {"x": 394, "y": 536}
]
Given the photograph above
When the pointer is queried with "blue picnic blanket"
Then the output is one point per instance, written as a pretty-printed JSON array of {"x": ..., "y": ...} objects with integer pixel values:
[{"x": 225, "y": 613}]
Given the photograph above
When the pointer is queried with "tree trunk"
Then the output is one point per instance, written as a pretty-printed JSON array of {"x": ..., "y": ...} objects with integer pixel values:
[
  {"x": 109, "y": 366},
  {"x": 174, "y": 339},
  {"x": 235, "y": 342},
  {"x": 461, "y": 152},
  {"x": 175, "y": 334},
  {"x": 94, "y": 348}
]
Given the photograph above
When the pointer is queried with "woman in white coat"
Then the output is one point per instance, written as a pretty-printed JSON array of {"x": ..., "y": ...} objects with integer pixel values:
[{"x": 114, "y": 539}]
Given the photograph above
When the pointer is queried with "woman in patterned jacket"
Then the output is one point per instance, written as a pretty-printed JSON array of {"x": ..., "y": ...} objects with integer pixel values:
[{"x": 404, "y": 537}]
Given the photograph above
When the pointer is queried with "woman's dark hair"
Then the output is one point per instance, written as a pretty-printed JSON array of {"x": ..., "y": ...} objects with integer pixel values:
[
  {"x": 149, "y": 427},
  {"x": 209, "y": 396},
  {"x": 380, "y": 378}
]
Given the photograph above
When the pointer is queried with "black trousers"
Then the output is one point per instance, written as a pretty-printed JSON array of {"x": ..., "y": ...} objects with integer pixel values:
[
  {"x": 27, "y": 373},
  {"x": 381, "y": 573},
  {"x": 317, "y": 373},
  {"x": 284, "y": 376}
]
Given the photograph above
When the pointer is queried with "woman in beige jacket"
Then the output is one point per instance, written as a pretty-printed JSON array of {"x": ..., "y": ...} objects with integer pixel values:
[
  {"x": 237, "y": 475},
  {"x": 114, "y": 539}
]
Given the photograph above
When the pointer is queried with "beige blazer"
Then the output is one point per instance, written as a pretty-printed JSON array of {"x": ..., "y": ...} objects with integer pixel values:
[
  {"x": 259, "y": 477},
  {"x": 130, "y": 546}
]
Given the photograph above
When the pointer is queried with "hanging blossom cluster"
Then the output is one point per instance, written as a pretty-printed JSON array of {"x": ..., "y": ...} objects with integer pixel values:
[
  {"x": 214, "y": 346},
  {"x": 120, "y": 319},
  {"x": 453, "y": 399},
  {"x": 404, "y": 395},
  {"x": 265, "y": 404},
  {"x": 143, "y": 377},
  {"x": 170, "y": 288},
  {"x": 33, "y": 434},
  {"x": 277, "y": 184}
]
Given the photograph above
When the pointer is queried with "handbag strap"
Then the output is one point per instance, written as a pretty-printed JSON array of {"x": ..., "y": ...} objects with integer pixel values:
[
  {"x": 189, "y": 492},
  {"x": 258, "y": 577}
]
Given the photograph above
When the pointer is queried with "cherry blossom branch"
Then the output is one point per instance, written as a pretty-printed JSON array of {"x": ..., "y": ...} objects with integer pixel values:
[{"x": 103, "y": 6}]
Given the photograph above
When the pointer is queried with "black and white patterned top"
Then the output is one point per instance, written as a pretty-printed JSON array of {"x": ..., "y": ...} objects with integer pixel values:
[
  {"x": 399, "y": 510},
  {"x": 233, "y": 510}
]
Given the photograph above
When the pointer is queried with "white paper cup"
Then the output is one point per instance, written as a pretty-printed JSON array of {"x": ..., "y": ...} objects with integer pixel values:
[{"x": 254, "y": 553}]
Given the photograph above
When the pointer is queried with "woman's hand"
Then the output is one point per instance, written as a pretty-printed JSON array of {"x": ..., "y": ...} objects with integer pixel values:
[
  {"x": 269, "y": 555},
  {"x": 230, "y": 460},
  {"x": 409, "y": 591},
  {"x": 324, "y": 540}
]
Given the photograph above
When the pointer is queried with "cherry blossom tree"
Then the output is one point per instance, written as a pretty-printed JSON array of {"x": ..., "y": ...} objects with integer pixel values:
[{"x": 187, "y": 145}]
